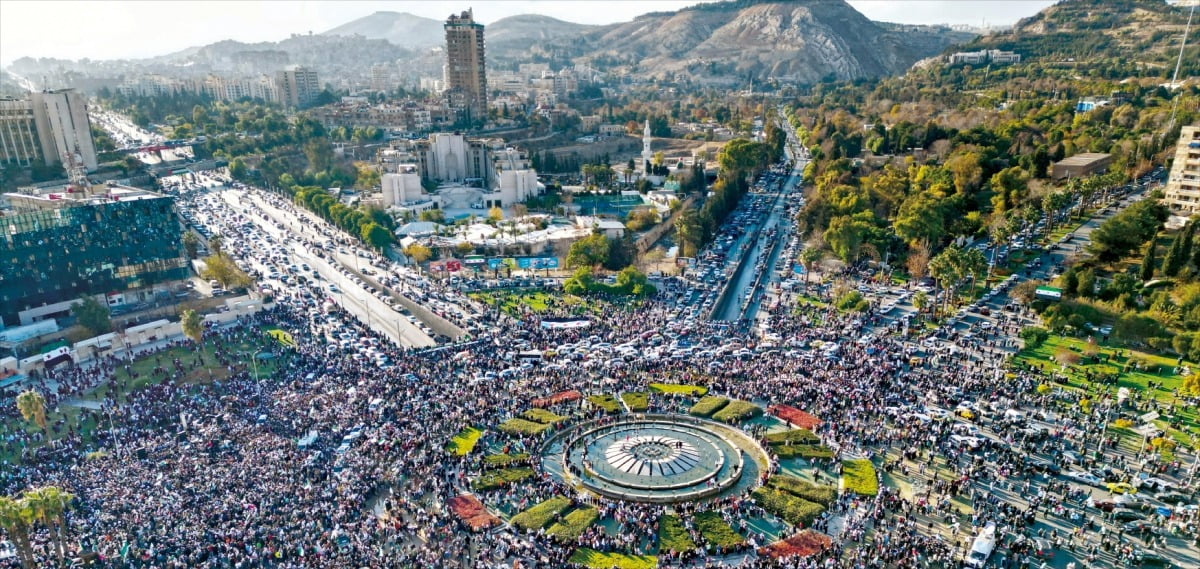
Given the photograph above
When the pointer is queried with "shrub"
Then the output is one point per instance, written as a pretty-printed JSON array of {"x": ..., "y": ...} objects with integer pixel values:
[
  {"x": 823, "y": 495},
  {"x": 538, "y": 516},
  {"x": 803, "y": 544},
  {"x": 572, "y": 525},
  {"x": 543, "y": 416},
  {"x": 794, "y": 416},
  {"x": 794, "y": 436},
  {"x": 502, "y": 477},
  {"x": 792, "y": 509},
  {"x": 678, "y": 389},
  {"x": 522, "y": 427},
  {"x": 672, "y": 536},
  {"x": 737, "y": 411},
  {"x": 464, "y": 442},
  {"x": 1044, "y": 388},
  {"x": 593, "y": 559},
  {"x": 809, "y": 452},
  {"x": 849, "y": 300},
  {"x": 606, "y": 402},
  {"x": 1034, "y": 336},
  {"x": 472, "y": 512},
  {"x": 637, "y": 401},
  {"x": 858, "y": 476},
  {"x": 716, "y": 531},
  {"x": 708, "y": 405},
  {"x": 495, "y": 460}
]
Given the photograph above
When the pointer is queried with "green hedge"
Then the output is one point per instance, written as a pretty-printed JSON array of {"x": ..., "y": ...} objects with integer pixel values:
[
  {"x": 858, "y": 476},
  {"x": 593, "y": 559},
  {"x": 637, "y": 401},
  {"x": 543, "y": 416},
  {"x": 606, "y": 402},
  {"x": 505, "y": 459},
  {"x": 716, "y": 531},
  {"x": 794, "y": 436},
  {"x": 824, "y": 495},
  {"x": 464, "y": 442},
  {"x": 736, "y": 411},
  {"x": 792, "y": 509},
  {"x": 522, "y": 427},
  {"x": 501, "y": 477},
  {"x": 672, "y": 536},
  {"x": 678, "y": 389},
  {"x": 803, "y": 451},
  {"x": 572, "y": 525},
  {"x": 538, "y": 516},
  {"x": 708, "y": 405}
]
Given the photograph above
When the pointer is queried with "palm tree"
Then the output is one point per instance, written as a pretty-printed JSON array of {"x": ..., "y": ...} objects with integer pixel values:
[
  {"x": 16, "y": 517},
  {"x": 809, "y": 257},
  {"x": 50, "y": 505},
  {"x": 32, "y": 406},
  {"x": 193, "y": 326},
  {"x": 214, "y": 244}
]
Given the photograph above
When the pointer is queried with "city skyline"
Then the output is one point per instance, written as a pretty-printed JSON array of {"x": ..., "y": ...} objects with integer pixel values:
[{"x": 68, "y": 30}]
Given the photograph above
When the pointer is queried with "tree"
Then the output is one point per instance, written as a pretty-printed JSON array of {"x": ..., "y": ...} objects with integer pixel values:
[
  {"x": 1026, "y": 291},
  {"x": 1147, "y": 273},
  {"x": 917, "y": 262},
  {"x": 32, "y": 407},
  {"x": 947, "y": 269},
  {"x": 434, "y": 215},
  {"x": 591, "y": 251},
  {"x": 1087, "y": 283},
  {"x": 214, "y": 244},
  {"x": 1034, "y": 336},
  {"x": 920, "y": 301},
  {"x": 237, "y": 169},
  {"x": 193, "y": 325},
  {"x": 810, "y": 257},
  {"x": 1178, "y": 252},
  {"x": 92, "y": 315},
  {"x": 495, "y": 214},
  {"x": 16, "y": 517},
  {"x": 464, "y": 248},
  {"x": 376, "y": 235},
  {"x": 50, "y": 505},
  {"x": 418, "y": 253},
  {"x": 223, "y": 270},
  {"x": 191, "y": 244}
]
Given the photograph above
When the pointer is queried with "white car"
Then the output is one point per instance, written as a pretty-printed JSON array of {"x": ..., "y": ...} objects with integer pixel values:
[{"x": 1084, "y": 478}]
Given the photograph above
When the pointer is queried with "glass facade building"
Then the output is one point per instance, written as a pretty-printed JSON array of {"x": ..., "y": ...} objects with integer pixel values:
[{"x": 55, "y": 255}]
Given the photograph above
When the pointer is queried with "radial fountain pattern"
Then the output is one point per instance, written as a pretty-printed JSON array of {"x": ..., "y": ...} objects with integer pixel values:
[{"x": 652, "y": 456}]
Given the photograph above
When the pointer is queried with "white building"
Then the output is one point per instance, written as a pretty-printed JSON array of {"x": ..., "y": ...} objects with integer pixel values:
[
  {"x": 647, "y": 154},
  {"x": 48, "y": 126},
  {"x": 402, "y": 187}
]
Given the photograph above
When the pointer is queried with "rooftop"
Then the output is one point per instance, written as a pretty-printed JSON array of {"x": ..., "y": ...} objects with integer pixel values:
[{"x": 1083, "y": 159}]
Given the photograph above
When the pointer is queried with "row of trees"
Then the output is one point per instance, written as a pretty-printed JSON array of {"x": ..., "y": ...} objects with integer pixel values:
[
  {"x": 48, "y": 505},
  {"x": 740, "y": 160},
  {"x": 373, "y": 226}
]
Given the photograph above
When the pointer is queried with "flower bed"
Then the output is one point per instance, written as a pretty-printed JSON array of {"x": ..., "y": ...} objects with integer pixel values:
[
  {"x": 543, "y": 416},
  {"x": 792, "y": 509},
  {"x": 494, "y": 460},
  {"x": 858, "y": 476},
  {"x": 708, "y": 405},
  {"x": 794, "y": 416},
  {"x": 803, "y": 544},
  {"x": 560, "y": 397},
  {"x": 678, "y": 389},
  {"x": 606, "y": 402},
  {"x": 672, "y": 536},
  {"x": 737, "y": 411},
  {"x": 538, "y": 516},
  {"x": 500, "y": 478},
  {"x": 823, "y": 495},
  {"x": 522, "y": 427},
  {"x": 592, "y": 559},
  {"x": 471, "y": 511},
  {"x": 464, "y": 442},
  {"x": 572, "y": 525},
  {"x": 716, "y": 531},
  {"x": 637, "y": 401}
]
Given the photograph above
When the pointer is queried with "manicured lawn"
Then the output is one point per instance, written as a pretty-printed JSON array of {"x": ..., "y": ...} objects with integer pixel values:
[
  {"x": 464, "y": 442},
  {"x": 824, "y": 495},
  {"x": 572, "y": 525},
  {"x": 672, "y": 536},
  {"x": 798, "y": 443},
  {"x": 637, "y": 401},
  {"x": 505, "y": 459},
  {"x": 737, "y": 411},
  {"x": 517, "y": 302},
  {"x": 610, "y": 560},
  {"x": 543, "y": 416},
  {"x": 522, "y": 427},
  {"x": 501, "y": 477},
  {"x": 787, "y": 506},
  {"x": 606, "y": 402},
  {"x": 678, "y": 389},
  {"x": 858, "y": 476},
  {"x": 539, "y": 515},
  {"x": 716, "y": 531},
  {"x": 708, "y": 405}
]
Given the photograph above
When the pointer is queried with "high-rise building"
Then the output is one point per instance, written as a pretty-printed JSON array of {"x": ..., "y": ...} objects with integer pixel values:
[
  {"x": 49, "y": 127},
  {"x": 56, "y": 247},
  {"x": 1183, "y": 185},
  {"x": 465, "y": 72},
  {"x": 297, "y": 87}
]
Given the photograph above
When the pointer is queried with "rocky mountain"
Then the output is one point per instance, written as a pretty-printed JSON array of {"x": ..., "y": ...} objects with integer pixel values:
[
  {"x": 1131, "y": 31},
  {"x": 399, "y": 28},
  {"x": 513, "y": 37},
  {"x": 730, "y": 42}
]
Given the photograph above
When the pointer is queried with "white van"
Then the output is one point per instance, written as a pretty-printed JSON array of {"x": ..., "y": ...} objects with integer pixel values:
[{"x": 985, "y": 542}]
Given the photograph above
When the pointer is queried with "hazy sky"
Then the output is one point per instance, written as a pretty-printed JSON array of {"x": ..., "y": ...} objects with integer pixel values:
[{"x": 129, "y": 28}]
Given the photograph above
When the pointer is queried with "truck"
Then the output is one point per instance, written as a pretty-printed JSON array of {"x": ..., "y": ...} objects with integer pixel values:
[{"x": 985, "y": 542}]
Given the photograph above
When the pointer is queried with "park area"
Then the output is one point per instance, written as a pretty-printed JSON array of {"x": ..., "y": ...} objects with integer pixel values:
[{"x": 517, "y": 303}]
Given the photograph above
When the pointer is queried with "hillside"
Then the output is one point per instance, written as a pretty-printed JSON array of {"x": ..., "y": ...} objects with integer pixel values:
[
  {"x": 512, "y": 38},
  {"x": 730, "y": 42},
  {"x": 399, "y": 28},
  {"x": 1135, "y": 31}
]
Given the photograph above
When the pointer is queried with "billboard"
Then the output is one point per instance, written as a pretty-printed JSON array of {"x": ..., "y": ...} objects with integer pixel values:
[{"x": 527, "y": 263}]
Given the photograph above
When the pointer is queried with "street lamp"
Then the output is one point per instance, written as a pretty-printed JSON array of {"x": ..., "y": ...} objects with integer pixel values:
[{"x": 254, "y": 366}]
